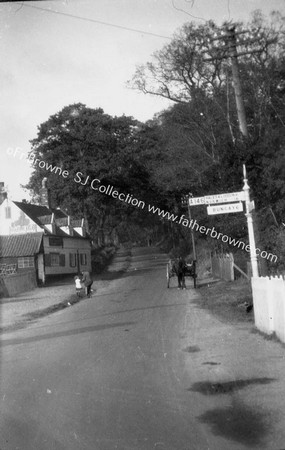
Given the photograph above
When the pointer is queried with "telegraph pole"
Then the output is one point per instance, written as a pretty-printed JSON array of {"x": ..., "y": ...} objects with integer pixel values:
[
  {"x": 231, "y": 34},
  {"x": 229, "y": 50}
]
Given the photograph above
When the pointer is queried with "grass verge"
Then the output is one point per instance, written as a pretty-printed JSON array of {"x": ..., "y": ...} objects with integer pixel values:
[{"x": 227, "y": 300}]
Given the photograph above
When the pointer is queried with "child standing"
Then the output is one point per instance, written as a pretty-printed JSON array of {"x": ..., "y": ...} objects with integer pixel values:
[{"x": 78, "y": 285}]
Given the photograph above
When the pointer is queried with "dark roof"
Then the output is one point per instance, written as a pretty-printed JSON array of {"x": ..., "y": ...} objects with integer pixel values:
[
  {"x": 44, "y": 220},
  {"x": 36, "y": 211},
  {"x": 59, "y": 232},
  {"x": 40, "y": 214},
  {"x": 76, "y": 222},
  {"x": 20, "y": 244}
]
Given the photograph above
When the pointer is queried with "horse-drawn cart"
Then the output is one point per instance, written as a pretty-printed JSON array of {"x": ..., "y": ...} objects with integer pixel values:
[{"x": 189, "y": 270}]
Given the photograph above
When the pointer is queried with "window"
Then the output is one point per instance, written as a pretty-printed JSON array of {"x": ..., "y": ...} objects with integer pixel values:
[
  {"x": 27, "y": 261},
  {"x": 54, "y": 259},
  {"x": 83, "y": 259},
  {"x": 72, "y": 259},
  {"x": 55, "y": 241},
  {"x": 8, "y": 212}
]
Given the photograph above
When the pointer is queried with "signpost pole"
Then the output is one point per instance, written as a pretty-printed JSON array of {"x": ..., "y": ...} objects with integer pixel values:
[
  {"x": 186, "y": 199},
  {"x": 192, "y": 232},
  {"x": 249, "y": 207}
]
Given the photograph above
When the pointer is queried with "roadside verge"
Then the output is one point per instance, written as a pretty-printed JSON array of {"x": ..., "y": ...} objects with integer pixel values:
[{"x": 229, "y": 301}]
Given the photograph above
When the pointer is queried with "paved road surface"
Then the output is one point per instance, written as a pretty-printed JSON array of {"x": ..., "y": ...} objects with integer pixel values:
[{"x": 124, "y": 370}]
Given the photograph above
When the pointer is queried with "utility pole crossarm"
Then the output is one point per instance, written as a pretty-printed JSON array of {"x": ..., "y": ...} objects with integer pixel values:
[{"x": 228, "y": 49}]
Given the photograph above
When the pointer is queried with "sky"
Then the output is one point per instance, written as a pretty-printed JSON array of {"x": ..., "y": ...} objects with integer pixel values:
[{"x": 56, "y": 53}]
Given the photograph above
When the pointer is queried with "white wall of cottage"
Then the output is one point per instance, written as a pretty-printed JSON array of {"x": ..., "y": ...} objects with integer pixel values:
[
  {"x": 15, "y": 221},
  {"x": 70, "y": 246}
]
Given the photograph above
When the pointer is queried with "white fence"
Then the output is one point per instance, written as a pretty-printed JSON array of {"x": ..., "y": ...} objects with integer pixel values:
[
  {"x": 269, "y": 305},
  {"x": 223, "y": 266}
]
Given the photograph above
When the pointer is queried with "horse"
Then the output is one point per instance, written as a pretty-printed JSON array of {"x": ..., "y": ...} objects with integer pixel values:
[{"x": 178, "y": 267}]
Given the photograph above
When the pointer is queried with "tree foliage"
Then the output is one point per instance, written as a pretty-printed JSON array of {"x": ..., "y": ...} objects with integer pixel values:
[
  {"x": 95, "y": 145},
  {"x": 201, "y": 133}
]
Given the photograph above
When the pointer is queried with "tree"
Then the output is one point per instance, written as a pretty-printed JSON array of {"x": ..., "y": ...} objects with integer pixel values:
[
  {"x": 197, "y": 59},
  {"x": 92, "y": 144},
  {"x": 201, "y": 133}
]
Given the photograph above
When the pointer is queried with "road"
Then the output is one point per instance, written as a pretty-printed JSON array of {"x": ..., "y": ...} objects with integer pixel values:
[{"x": 123, "y": 370}]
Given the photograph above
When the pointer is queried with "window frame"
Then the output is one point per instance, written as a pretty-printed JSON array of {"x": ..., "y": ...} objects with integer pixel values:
[
  {"x": 52, "y": 262},
  {"x": 55, "y": 241},
  {"x": 7, "y": 212},
  {"x": 26, "y": 262},
  {"x": 73, "y": 257},
  {"x": 83, "y": 259}
]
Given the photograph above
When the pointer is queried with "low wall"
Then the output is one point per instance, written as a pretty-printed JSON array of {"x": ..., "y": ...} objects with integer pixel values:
[
  {"x": 269, "y": 305},
  {"x": 17, "y": 283}
]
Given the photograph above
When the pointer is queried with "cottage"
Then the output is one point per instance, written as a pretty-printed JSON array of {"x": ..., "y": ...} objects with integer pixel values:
[{"x": 41, "y": 239}]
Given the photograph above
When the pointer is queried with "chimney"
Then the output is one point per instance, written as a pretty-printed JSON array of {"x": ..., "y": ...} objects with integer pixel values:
[
  {"x": 44, "y": 193},
  {"x": 3, "y": 193}
]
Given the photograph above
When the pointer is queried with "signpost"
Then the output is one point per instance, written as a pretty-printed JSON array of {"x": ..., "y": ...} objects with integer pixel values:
[
  {"x": 219, "y": 198},
  {"x": 233, "y": 204},
  {"x": 249, "y": 207},
  {"x": 225, "y": 209},
  {"x": 186, "y": 200}
]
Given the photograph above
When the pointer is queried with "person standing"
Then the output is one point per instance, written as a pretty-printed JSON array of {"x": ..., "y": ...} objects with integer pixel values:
[
  {"x": 78, "y": 285},
  {"x": 87, "y": 280}
]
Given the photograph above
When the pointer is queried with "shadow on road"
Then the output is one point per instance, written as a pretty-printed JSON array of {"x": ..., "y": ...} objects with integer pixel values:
[
  {"x": 239, "y": 422},
  {"x": 142, "y": 309},
  {"x": 227, "y": 387},
  {"x": 72, "y": 332}
]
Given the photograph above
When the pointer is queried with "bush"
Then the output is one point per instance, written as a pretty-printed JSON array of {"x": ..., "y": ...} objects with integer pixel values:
[{"x": 101, "y": 257}]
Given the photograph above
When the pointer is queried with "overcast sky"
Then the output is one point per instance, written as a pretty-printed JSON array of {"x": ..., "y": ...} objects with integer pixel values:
[{"x": 50, "y": 59}]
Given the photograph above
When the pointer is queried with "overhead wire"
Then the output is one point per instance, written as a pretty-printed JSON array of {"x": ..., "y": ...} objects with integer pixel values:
[
  {"x": 100, "y": 22},
  {"x": 229, "y": 11},
  {"x": 186, "y": 12}
]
